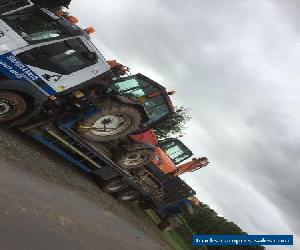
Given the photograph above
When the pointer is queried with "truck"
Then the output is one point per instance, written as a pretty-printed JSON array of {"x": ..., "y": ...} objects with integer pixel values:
[
  {"x": 58, "y": 88},
  {"x": 49, "y": 70},
  {"x": 155, "y": 185}
]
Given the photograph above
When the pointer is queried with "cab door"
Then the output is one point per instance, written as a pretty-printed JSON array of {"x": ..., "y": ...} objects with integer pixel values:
[
  {"x": 65, "y": 63},
  {"x": 9, "y": 40}
]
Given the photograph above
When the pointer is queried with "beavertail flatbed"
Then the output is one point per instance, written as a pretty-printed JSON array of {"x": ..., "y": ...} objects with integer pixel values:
[{"x": 93, "y": 158}]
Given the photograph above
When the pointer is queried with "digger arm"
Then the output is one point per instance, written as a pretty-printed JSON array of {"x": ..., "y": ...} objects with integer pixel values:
[{"x": 191, "y": 166}]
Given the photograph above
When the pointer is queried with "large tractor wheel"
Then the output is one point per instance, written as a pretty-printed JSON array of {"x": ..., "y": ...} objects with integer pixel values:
[
  {"x": 12, "y": 106},
  {"x": 134, "y": 159},
  {"x": 113, "y": 122}
]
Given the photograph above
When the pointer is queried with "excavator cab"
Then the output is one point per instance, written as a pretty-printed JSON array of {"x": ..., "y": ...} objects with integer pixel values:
[
  {"x": 176, "y": 150},
  {"x": 178, "y": 153}
]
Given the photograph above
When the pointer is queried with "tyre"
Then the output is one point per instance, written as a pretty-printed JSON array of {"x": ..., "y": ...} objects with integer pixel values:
[
  {"x": 113, "y": 122},
  {"x": 134, "y": 159},
  {"x": 114, "y": 185},
  {"x": 12, "y": 106},
  {"x": 128, "y": 195}
]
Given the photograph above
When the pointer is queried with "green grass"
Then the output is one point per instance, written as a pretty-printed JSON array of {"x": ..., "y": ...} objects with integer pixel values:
[
  {"x": 176, "y": 241},
  {"x": 172, "y": 238}
]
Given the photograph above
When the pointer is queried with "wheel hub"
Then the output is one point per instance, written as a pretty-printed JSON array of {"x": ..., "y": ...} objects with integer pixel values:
[
  {"x": 107, "y": 121},
  {"x": 5, "y": 107},
  {"x": 110, "y": 125},
  {"x": 135, "y": 159}
]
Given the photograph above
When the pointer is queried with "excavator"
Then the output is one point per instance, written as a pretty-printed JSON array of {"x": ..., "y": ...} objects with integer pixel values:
[{"x": 162, "y": 175}]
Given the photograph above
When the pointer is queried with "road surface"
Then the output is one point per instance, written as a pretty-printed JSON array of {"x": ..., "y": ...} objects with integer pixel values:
[{"x": 45, "y": 203}]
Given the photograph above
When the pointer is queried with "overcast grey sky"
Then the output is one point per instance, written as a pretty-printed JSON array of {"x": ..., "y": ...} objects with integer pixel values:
[{"x": 236, "y": 65}]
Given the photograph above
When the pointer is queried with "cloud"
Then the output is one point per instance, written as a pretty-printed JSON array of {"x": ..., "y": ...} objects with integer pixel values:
[{"x": 235, "y": 63}]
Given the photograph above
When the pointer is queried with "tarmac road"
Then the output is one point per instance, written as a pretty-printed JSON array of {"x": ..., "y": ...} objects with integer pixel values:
[{"x": 47, "y": 204}]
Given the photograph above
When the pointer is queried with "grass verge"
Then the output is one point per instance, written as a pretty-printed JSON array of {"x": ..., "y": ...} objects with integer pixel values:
[{"x": 172, "y": 238}]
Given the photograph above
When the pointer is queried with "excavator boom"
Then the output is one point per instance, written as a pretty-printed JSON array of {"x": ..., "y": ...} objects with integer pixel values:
[{"x": 191, "y": 166}]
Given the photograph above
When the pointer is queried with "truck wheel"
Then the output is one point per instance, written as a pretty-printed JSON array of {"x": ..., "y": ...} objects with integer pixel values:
[
  {"x": 128, "y": 195},
  {"x": 134, "y": 159},
  {"x": 164, "y": 226},
  {"x": 12, "y": 106},
  {"x": 114, "y": 185},
  {"x": 113, "y": 122}
]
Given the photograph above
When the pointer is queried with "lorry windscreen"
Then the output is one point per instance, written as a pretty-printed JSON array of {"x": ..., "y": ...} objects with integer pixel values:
[
  {"x": 150, "y": 96},
  {"x": 64, "y": 57},
  {"x": 34, "y": 26}
]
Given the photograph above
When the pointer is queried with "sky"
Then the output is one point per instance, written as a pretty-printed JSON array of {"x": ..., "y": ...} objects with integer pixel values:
[{"x": 235, "y": 65}]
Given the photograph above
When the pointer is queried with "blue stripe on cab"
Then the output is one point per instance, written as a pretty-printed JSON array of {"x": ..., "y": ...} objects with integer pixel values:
[{"x": 14, "y": 69}]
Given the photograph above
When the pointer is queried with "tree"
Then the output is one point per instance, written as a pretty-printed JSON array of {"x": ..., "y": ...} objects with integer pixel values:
[{"x": 174, "y": 124}]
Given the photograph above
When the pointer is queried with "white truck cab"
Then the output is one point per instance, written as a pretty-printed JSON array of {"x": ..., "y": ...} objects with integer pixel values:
[
  {"x": 45, "y": 50},
  {"x": 50, "y": 70}
]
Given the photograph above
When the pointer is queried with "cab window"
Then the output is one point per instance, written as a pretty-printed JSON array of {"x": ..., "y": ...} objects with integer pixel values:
[
  {"x": 35, "y": 26},
  {"x": 134, "y": 88},
  {"x": 176, "y": 150},
  {"x": 156, "y": 106},
  {"x": 63, "y": 57}
]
